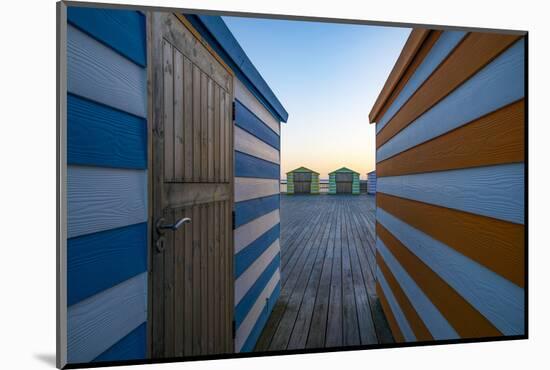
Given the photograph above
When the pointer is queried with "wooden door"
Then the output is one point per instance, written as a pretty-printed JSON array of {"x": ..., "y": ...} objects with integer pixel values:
[
  {"x": 191, "y": 272},
  {"x": 344, "y": 182},
  {"x": 302, "y": 187}
]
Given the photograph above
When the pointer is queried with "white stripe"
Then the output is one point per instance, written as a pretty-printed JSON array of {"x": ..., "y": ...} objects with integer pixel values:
[
  {"x": 99, "y": 73},
  {"x": 250, "y": 144},
  {"x": 495, "y": 297},
  {"x": 243, "y": 331},
  {"x": 249, "y": 101},
  {"x": 100, "y": 321},
  {"x": 394, "y": 306},
  {"x": 430, "y": 315},
  {"x": 251, "y": 188},
  {"x": 247, "y": 233},
  {"x": 253, "y": 272}
]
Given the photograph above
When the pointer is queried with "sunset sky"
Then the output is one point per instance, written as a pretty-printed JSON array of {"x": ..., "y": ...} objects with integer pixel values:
[{"x": 327, "y": 76}]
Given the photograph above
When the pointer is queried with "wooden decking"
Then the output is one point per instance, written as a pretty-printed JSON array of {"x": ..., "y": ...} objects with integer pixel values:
[{"x": 328, "y": 296}]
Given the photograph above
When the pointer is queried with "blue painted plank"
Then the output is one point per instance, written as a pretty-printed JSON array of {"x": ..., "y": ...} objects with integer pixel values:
[
  {"x": 248, "y": 210},
  {"x": 122, "y": 30},
  {"x": 249, "y": 254},
  {"x": 98, "y": 261},
  {"x": 255, "y": 290},
  {"x": 402, "y": 321},
  {"x": 252, "y": 339},
  {"x": 131, "y": 347},
  {"x": 249, "y": 166},
  {"x": 492, "y": 191},
  {"x": 249, "y": 122},
  {"x": 495, "y": 297},
  {"x": 500, "y": 83},
  {"x": 437, "y": 54},
  {"x": 220, "y": 38},
  {"x": 98, "y": 135}
]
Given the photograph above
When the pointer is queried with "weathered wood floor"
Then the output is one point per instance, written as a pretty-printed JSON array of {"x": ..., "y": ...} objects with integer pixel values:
[{"x": 328, "y": 296}]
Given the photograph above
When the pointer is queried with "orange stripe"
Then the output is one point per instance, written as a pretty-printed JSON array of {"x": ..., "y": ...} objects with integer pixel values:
[
  {"x": 496, "y": 244},
  {"x": 397, "y": 335},
  {"x": 408, "y": 53},
  {"x": 420, "y": 330},
  {"x": 473, "y": 53},
  {"x": 496, "y": 138},
  {"x": 464, "y": 318}
]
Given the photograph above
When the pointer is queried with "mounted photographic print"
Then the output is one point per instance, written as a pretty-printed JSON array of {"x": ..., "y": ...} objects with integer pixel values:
[{"x": 245, "y": 185}]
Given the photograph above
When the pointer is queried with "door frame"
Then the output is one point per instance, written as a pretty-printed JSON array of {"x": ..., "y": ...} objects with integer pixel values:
[{"x": 151, "y": 116}]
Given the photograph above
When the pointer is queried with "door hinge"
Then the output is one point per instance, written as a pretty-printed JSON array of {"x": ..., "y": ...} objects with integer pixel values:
[
  {"x": 233, "y": 220},
  {"x": 233, "y": 111},
  {"x": 233, "y": 329}
]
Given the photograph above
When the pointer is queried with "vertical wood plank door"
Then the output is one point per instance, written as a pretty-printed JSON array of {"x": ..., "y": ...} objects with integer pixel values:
[{"x": 191, "y": 268}]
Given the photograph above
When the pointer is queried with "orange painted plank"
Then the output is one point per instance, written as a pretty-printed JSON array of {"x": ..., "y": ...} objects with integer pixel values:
[{"x": 396, "y": 331}]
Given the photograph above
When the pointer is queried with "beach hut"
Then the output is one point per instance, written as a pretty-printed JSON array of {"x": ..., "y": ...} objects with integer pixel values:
[
  {"x": 302, "y": 181},
  {"x": 371, "y": 182},
  {"x": 344, "y": 181},
  {"x": 142, "y": 95},
  {"x": 450, "y": 219}
]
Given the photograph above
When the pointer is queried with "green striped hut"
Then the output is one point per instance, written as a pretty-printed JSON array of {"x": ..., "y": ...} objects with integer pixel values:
[
  {"x": 302, "y": 181},
  {"x": 343, "y": 181}
]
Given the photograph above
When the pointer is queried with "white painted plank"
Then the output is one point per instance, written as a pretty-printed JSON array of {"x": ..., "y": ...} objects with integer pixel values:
[
  {"x": 394, "y": 306},
  {"x": 98, "y": 322},
  {"x": 249, "y": 100},
  {"x": 436, "y": 323},
  {"x": 251, "y": 188},
  {"x": 495, "y": 297},
  {"x": 252, "y": 273},
  {"x": 492, "y": 191},
  {"x": 247, "y": 233},
  {"x": 250, "y": 144},
  {"x": 498, "y": 84},
  {"x": 98, "y": 73},
  {"x": 243, "y": 331},
  {"x": 104, "y": 198}
]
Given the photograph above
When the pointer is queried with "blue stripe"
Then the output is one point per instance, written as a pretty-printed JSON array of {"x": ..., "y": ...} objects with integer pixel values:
[
  {"x": 98, "y": 135},
  {"x": 250, "y": 253},
  {"x": 131, "y": 347},
  {"x": 249, "y": 166},
  {"x": 250, "y": 343},
  {"x": 249, "y": 122},
  {"x": 492, "y": 191},
  {"x": 500, "y": 83},
  {"x": 255, "y": 290},
  {"x": 440, "y": 50},
  {"x": 122, "y": 30},
  {"x": 248, "y": 210},
  {"x": 98, "y": 261}
]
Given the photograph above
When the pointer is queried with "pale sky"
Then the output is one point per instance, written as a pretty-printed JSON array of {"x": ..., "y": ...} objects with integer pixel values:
[{"x": 327, "y": 76}]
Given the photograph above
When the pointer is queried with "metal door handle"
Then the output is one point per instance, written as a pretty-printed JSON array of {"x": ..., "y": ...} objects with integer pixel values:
[{"x": 173, "y": 227}]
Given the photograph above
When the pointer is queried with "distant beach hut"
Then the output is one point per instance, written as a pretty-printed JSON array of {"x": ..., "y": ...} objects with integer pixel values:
[
  {"x": 302, "y": 181},
  {"x": 343, "y": 181},
  {"x": 371, "y": 182}
]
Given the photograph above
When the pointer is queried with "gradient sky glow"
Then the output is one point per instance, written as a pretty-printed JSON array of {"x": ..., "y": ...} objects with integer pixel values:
[{"x": 327, "y": 76}]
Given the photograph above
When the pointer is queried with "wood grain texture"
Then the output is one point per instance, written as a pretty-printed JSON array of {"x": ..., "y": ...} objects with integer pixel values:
[
  {"x": 101, "y": 136},
  {"x": 488, "y": 191},
  {"x": 436, "y": 323},
  {"x": 497, "y": 245},
  {"x": 418, "y": 327},
  {"x": 247, "y": 188},
  {"x": 97, "y": 323},
  {"x": 500, "y": 83},
  {"x": 98, "y": 73},
  {"x": 249, "y": 144},
  {"x": 414, "y": 42},
  {"x": 444, "y": 45},
  {"x": 104, "y": 198},
  {"x": 243, "y": 95},
  {"x": 477, "y": 50},
  {"x": 496, "y": 138},
  {"x": 493, "y": 302},
  {"x": 396, "y": 331}
]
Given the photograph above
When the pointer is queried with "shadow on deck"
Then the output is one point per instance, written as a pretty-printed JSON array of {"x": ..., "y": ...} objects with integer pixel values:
[{"x": 328, "y": 269}]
